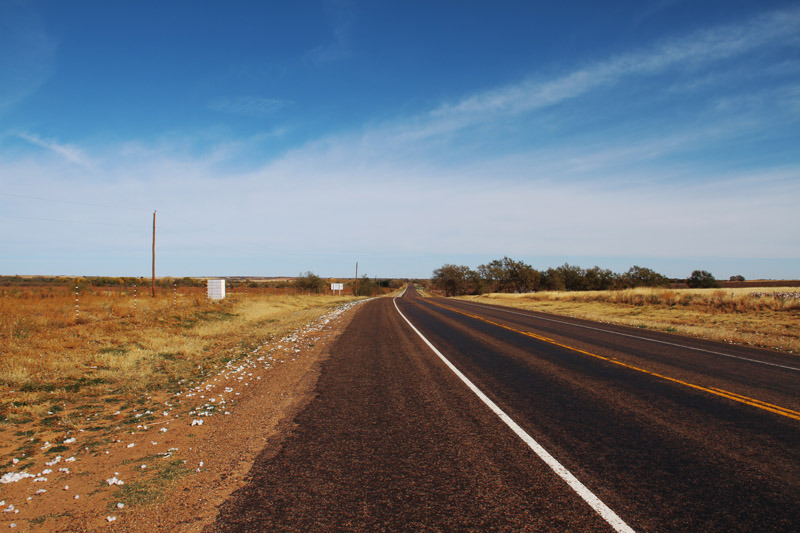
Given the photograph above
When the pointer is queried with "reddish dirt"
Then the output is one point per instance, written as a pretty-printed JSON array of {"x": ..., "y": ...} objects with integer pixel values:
[{"x": 261, "y": 394}]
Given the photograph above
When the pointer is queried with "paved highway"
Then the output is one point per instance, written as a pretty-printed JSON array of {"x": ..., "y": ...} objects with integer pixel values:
[{"x": 436, "y": 414}]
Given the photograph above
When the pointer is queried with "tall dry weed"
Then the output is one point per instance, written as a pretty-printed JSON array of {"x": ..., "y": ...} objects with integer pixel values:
[
  {"x": 769, "y": 319},
  {"x": 59, "y": 369}
]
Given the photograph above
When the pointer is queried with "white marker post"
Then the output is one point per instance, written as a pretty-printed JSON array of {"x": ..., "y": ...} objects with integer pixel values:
[{"x": 216, "y": 289}]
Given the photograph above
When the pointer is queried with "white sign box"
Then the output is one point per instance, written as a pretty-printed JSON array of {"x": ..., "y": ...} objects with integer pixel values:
[
  {"x": 216, "y": 289},
  {"x": 337, "y": 286}
]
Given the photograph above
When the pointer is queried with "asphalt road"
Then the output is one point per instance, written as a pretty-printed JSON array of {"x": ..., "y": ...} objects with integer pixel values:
[{"x": 667, "y": 433}]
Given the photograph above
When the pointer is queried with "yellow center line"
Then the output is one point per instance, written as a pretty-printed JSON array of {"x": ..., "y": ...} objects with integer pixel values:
[{"x": 711, "y": 390}]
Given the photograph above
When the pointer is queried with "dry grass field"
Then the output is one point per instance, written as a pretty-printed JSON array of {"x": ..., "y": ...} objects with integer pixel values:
[
  {"x": 66, "y": 372},
  {"x": 765, "y": 317}
]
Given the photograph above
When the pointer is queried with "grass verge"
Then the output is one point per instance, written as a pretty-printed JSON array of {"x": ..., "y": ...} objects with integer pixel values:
[
  {"x": 64, "y": 373},
  {"x": 762, "y": 318}
]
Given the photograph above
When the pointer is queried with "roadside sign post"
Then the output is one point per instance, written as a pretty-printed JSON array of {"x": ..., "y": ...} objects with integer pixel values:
[{"x": 337, "y": 287}]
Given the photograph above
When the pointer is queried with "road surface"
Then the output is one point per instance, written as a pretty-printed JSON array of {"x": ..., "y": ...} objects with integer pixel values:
[{"x": 555, "y": 424}]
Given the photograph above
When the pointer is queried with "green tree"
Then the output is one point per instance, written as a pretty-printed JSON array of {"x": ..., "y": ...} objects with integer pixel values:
[
  {"x": 310, "y": 282},
  {"x": 553, "y": 280},
  {"x": 702, "y": 279},
  {"x": 523, "y": 277},
  {"x": 638, "y": 276},
  {"x": 599, "y": 279},
  {"x": 494, "y": 276},
  {"x": 366, "y": 286},
  {"x": 574, "y": 277},
  {"x": 507, "y": 275},
  {"x": 453, "y": 279}
]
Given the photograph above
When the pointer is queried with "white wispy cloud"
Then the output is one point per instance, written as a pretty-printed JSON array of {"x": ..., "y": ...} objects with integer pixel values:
[
  {"x": 251, "y": 106},
  {"x": 693, "y": 51},
  {"x": 311, "y": 202},
  {"x": 431, "y": 134},
  {"x": 69, "y": 152}
]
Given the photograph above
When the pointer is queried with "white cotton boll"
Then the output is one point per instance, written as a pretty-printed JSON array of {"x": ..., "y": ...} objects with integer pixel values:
[{"x": 120, "y": 505}]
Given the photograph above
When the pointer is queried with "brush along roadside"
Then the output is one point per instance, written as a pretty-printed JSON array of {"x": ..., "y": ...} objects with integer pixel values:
[
  {"x": 763, "y": 318},
  {"x": 73, "y": 439}
]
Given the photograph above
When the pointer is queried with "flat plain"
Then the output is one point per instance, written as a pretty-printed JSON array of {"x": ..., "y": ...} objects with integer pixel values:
[{"x": 74, "y": 379}]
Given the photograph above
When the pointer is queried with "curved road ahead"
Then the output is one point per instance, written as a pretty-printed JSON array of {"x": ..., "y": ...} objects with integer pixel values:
[{"x": 600, "y": 428}]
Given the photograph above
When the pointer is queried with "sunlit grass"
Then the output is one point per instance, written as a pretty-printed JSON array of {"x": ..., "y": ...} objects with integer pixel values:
[
  {"x": 60, "y": 372},
  {"x": 768, "y": 318}
]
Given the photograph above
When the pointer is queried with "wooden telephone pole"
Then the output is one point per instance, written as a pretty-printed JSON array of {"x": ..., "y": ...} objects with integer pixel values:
[
  {"x": 356, "y": 293},
  {"x": 154, "y": 254}
]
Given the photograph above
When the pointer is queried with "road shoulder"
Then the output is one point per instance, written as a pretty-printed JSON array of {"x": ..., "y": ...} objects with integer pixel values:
[{"x": 222, "y": 452}]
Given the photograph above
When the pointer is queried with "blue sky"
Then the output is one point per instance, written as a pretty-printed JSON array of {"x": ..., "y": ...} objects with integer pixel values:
[{"x": 279, "y": 137}]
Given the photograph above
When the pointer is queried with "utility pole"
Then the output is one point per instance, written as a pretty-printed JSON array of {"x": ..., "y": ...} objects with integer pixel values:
[
  {"x": 154, "y": 254},
  {"x": 356, "y": 293}
]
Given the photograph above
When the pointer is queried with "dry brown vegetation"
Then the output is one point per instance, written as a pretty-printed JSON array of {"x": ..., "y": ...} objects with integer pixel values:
[
  {"x": 60, "y": 372},
  {"x": 767, "y": 318}
]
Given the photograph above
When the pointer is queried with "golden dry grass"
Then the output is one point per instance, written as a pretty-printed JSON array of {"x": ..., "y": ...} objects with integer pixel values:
[
  {"x": 58, "y": 372},
  {"x": 767, "y": 318}
]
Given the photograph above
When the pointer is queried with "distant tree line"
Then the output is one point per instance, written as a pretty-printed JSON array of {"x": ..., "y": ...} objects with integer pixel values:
[{"x": 508, "y": 275}]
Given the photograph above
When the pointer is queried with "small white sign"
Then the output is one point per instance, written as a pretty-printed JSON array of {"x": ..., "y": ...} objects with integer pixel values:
[{"x": 337, "y": 286}]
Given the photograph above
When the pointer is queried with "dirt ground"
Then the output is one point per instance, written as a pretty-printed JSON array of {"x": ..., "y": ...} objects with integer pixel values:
[{"x": 180, "y": 464}]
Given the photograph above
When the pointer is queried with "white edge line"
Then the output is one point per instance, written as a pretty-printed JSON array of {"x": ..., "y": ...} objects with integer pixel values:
[
  {"x": 588, "y": 496},
  {"x": 496, "y": 308}
]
